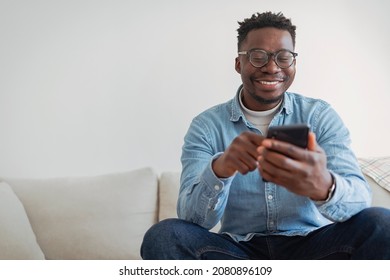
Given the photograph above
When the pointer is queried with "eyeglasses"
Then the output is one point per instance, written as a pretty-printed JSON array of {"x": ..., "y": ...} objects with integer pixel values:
[{"x": 258, "y": 58}]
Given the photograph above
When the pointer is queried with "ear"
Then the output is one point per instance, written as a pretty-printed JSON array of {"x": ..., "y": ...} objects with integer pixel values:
[{"x": 238, "y": 65}]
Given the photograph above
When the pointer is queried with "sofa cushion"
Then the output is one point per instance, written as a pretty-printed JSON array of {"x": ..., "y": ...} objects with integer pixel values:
[
  {"x": 17, "y": 239},
  {"x": 378, "y": 168},
  {"x": 377, "y": 173},
  {"x": 380, "y": 196},
  {"x": 169, "y": 185},
  {"x": 99, "y": 217}
]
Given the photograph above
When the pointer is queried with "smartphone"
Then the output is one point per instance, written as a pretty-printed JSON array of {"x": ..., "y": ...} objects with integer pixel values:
[{"x": 296, "y": 134}]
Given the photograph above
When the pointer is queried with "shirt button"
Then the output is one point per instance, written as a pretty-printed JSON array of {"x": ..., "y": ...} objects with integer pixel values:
[
  {"x": 270, "y": 197},
  {"x": 217, "y": 188}
]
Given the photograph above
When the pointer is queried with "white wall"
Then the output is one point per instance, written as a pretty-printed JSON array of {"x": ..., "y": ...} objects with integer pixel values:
[{"x": 91, "y": 87}]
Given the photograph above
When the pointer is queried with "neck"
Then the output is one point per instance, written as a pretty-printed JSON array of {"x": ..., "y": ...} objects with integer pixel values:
[{"x": 257, "y": 103}]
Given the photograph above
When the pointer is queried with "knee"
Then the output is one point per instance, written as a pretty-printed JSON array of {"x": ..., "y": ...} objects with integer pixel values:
[
  {"x": 160, "y": 237},
  {"x": 376, "y": 219},
  {"x": 160, "y": 230}
]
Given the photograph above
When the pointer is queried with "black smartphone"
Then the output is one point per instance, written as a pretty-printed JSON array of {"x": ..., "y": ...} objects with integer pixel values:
[{"x": 296, "y": 134}]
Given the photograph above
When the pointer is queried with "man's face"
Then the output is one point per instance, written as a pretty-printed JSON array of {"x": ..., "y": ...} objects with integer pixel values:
[{"x": 263, "y": 87}]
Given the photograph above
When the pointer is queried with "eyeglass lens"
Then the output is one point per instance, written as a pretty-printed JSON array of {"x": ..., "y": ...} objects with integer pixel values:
[{"x": 283, "y": 58}]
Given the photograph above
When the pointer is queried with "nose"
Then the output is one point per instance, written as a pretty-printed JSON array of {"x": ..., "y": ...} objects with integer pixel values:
[{"x": 271, "y": 67}]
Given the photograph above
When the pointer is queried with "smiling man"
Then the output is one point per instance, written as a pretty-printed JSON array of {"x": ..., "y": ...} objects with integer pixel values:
[
  {"x": 264, "y": 89},
  {"x": 274, "y": 200}
]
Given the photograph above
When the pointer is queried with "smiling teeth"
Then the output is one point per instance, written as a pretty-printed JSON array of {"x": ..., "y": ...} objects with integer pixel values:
[{"x": 268, "y": 83}]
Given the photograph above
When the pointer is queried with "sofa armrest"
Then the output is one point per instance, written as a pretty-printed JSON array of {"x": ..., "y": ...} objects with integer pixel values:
[
  {"x": 380, "y": 196},
  {"x": 168, "y": 192},
  {"x": 377, "y": 173},
  {"x": 17, "y": 239}
]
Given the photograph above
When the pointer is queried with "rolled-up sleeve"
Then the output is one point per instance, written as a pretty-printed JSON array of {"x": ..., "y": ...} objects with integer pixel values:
[
  {"x": 352, "y": 193},
  {"x": 202, "y": 196}
]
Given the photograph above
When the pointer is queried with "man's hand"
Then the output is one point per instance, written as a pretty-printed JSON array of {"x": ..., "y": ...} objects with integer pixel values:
[
  {"x": 241, "y": 156},
  {"x": 302, "y": 171}
]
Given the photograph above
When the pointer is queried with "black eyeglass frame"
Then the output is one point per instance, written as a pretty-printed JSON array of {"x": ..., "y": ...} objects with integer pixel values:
[{"x": 273, "y": 54}]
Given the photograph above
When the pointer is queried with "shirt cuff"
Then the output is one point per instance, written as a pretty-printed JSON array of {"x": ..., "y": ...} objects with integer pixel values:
[
  {"x": 215, "y": 184},
  {"x": 331, "y": 192}
]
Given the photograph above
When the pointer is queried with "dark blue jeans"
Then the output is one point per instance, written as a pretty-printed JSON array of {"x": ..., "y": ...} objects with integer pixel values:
[{"x": 364, "y": 236}]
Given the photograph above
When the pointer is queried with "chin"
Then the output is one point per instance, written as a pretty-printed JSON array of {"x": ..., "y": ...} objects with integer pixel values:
[{"x": 270, "y": 100}]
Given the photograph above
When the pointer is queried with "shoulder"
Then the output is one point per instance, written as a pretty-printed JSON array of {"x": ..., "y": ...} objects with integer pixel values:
[
  {"x": 296, "y": 98},
  {"x": 318, "y": 113},
  {"x": 221, "y": 110},
  {"x": 306, "y": 107}
]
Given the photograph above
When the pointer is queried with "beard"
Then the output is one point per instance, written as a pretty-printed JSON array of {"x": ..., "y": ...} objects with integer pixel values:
[{"x": 262, "y": 100}]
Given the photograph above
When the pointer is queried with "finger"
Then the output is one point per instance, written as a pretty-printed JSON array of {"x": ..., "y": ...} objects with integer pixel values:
[
  {"x": 312, "y": 143},
  {"x": 240, "y": 161},
  {"x": 256, "y": 139},
  {"x": 284, "y": 148},
  {"x": 274, "y": 161},
  {"x": 253, "y": 143},
  {"x": 266, "y": 177},
  {"x": 271, "y": 173},
  {"x": 246, "y": 163},
  {"x": 248, "y": 142}
]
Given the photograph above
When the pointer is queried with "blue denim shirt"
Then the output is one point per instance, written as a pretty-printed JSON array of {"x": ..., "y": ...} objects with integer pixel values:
[{"x": 245, "y": 204}]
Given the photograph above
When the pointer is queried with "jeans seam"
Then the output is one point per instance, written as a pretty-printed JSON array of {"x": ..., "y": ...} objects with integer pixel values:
[
  {"x": 344, "y": 249},
  {"x": 269, "y": 248},
  {"x": 207, "y": 249}
]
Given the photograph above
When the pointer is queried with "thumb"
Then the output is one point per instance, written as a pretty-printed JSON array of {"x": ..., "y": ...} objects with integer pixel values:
[{"x": 312, "y": 143}]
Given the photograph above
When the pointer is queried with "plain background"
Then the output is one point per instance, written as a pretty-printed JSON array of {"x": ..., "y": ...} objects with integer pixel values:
[{"x": 90, "y": 87}]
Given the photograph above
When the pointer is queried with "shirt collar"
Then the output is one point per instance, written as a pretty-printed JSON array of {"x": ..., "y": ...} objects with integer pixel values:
[{"x": 237, "y": 113}]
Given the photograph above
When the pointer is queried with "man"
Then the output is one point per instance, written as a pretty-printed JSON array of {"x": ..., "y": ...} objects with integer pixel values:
[{"x": 274, "y": 200}]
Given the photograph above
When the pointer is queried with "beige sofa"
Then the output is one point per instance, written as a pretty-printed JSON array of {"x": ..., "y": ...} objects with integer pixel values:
[{"x": 106, "y": 216}]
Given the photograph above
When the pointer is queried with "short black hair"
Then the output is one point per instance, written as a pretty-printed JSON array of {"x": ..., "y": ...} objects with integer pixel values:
[{"x": 266, "y": 19}]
